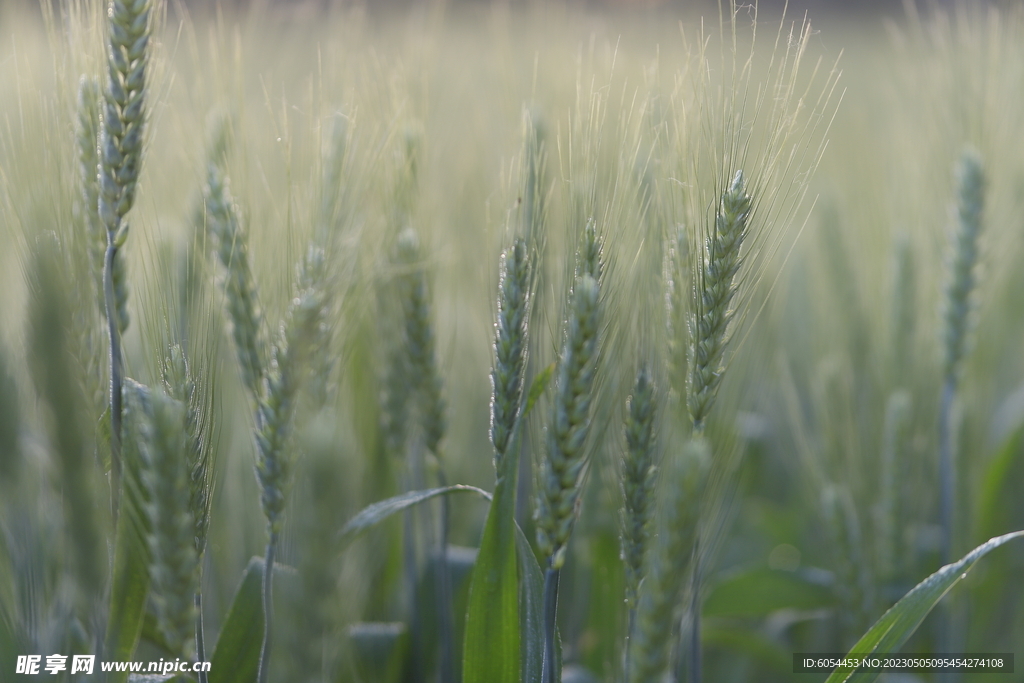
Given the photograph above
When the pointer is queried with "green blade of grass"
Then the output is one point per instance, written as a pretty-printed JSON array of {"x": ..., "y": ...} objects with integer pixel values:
[
  {"x": 127, "y": 598},
  {"x": 236, "y": 656},
  {"x": 900, "y": 622},
  {"x": 491, "y": 652},
  {"x": 531, "y": 606},
  {"x": 374, "y": 514},
  {"x": 130, "y": 576},
  {"x": 997, "y": 499}
]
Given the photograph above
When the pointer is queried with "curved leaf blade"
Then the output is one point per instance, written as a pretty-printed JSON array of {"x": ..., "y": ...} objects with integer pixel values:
[
  {"x": 900, "y": 622},
  {"x": 532, "y": 606},
  {"x": 236, "y": 657},
  {"x": 374, "y": 514}
]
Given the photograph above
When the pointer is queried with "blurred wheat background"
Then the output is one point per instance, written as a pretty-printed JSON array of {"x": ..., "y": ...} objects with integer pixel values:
[{"x": 342, "y": 125}]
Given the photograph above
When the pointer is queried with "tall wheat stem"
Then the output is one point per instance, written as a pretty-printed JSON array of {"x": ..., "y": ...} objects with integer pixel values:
[{"x": 716, "y": 288}]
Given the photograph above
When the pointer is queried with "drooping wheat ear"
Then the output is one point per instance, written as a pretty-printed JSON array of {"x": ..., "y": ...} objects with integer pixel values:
[
  {"x": 668, "y": 561},
  {"x": 638, "y": 481},
  {"x": 964, "y": 257},
  {"x": 87, "y": 137},
  {"x": 715, "y": 288},
  {"x": 174, "y": 562},
  {"x": 420, "y": 341},
  {"x": 559, "y": 485},
  {"x": 180, "y": 384},
  {"x": 510, "y": 337},
  {"x": 678, "y": 292},
  {"x": 243, "y": 305},
  {"x": 289, "y": 368}
]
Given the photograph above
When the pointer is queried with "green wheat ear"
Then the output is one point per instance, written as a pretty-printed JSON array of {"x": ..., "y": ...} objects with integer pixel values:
[
  {"x": 299, "y": 332},
  {"x": 964, "y": 257},
  {"x": 87, "y": 139},
  {"x": 181, "y": 384},
  {"x": 231, "y": 244},
  {"x": 638, "y": 481},
  {"x": 420, "y": 340},
  {"x": 560, "y": 472},
  {"x": 174, "y": 560},
  {"x": 124, "y": 118},
  {"x": 716, "y": 288},
  {"x": 510, "y": 345}
]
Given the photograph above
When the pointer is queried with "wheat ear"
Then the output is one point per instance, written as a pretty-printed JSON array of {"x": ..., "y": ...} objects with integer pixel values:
[
  {"x": 231, "y": 243},
  {"x": 510, "y": 335},
  {"x": 87, "y": 138},
  {"x": 955, "y": 326},
  {"x": 174, "y": 561},
  {"x": 638, "y": 480},
  {"x": 716, "y": 288},
  {"x": 420, "y": 340}
]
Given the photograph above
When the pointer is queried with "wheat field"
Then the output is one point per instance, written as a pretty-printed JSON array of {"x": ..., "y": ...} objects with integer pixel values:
[{"x": 500, "y": 342}]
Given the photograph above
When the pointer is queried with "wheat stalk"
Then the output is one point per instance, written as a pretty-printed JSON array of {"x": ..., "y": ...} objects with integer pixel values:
[
  {"x": 124, "y": 116},
  {"x": 561, "y": 472},
  {"x": 275, "y": 414},
  {"x": 668, "y": 561}
]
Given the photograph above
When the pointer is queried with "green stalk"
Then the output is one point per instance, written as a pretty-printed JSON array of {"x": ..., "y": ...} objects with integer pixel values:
[
  {"x": 116, "y": 372},
  {"x": 268, "y": 599},
  {"x": 204, "y": 677},
  {"x": 550, "y": 673}
]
